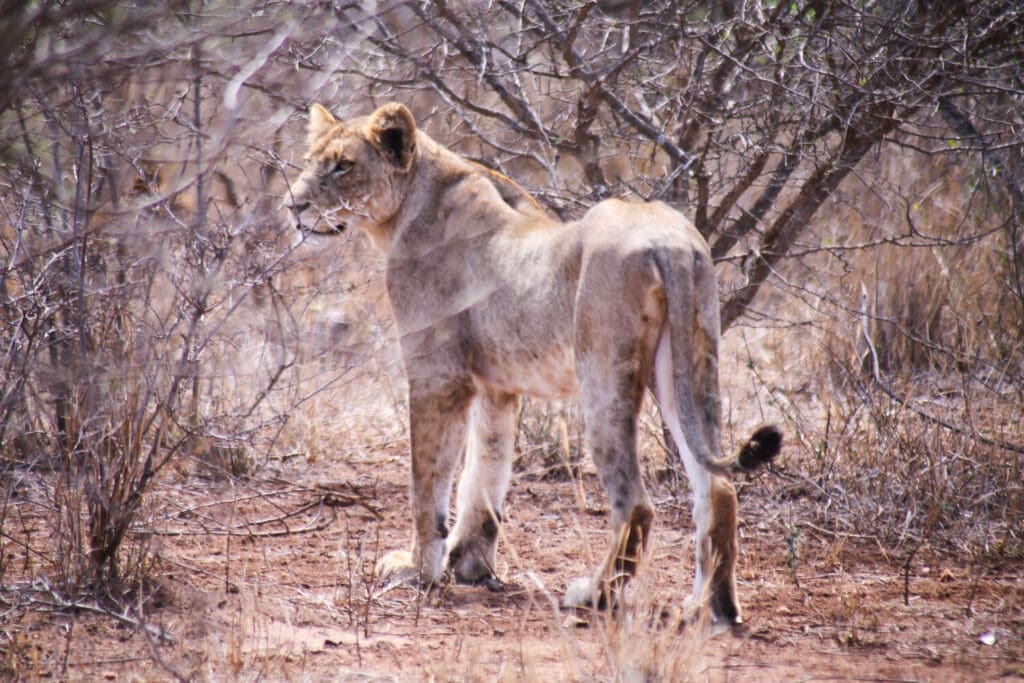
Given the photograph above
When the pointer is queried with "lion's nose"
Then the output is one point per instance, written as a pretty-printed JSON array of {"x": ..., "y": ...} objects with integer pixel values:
[{"x": 298, "y": 207}]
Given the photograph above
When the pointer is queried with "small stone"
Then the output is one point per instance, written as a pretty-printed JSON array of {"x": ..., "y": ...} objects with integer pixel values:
[{"x": 987, "y": 638}]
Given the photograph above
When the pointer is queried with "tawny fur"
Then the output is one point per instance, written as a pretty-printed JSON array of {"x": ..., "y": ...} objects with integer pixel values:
[{"x": 494, "y": 299}]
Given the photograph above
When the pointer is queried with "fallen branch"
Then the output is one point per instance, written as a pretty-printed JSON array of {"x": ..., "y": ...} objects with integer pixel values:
[
  {"x": 318, "y": 523},
  {"x": 43, "y": 586}
]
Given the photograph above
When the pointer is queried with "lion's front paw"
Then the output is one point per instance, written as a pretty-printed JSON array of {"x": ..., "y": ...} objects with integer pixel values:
[
  {"x": 469, "y": 564},
  {"x": 397, "y": 567},
  {"x": 584, "y": 593}
]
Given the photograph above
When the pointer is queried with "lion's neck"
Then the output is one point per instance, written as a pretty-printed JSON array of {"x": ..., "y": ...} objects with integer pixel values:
[{"x": 449, "y": 202}]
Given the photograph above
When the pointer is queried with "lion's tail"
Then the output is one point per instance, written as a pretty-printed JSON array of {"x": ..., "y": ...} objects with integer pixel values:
[{"x": 686, "y": 370}]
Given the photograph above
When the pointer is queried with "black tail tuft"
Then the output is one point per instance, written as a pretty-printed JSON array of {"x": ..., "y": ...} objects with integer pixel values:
[{"x": 762, "y": 447}]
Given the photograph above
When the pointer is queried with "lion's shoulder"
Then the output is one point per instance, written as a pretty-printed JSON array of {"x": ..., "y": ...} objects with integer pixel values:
[
  {"x": 453, "y": 165},
  {"x": 511, "y": 192}
]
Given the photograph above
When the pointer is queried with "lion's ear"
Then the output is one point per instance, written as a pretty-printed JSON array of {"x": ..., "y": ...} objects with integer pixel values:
[
  {"x": 320, "y": 121},
  {"x": 393, "y": 132}
]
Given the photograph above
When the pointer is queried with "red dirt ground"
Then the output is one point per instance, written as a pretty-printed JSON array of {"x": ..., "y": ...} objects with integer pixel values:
[{"x": 295, "y": 599}]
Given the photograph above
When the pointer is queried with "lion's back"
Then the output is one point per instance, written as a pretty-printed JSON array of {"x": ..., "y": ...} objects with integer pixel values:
[{"x": 629, "y": 226}]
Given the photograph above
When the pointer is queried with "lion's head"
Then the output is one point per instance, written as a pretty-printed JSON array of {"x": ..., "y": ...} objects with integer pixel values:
[{"x": 356, "y": 171}]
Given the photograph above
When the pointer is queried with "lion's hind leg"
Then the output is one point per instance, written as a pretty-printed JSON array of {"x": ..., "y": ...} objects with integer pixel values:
[
  {"x": 720, "y": 562},
  {"x": 629, "y": 539},
  {"x": 714, "y": 497},
  {"x": 614, "y": 359}
]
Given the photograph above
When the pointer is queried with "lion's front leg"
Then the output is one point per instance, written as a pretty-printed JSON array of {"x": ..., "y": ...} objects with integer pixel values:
[
  {"x": 473, "y": 544},
  {"x": 437, "y": 432}
]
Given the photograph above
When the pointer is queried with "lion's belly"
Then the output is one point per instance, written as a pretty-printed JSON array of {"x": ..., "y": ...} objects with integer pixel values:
[
  {"x": 548, "y": 374},
  {"x": 523, "y": 330}
]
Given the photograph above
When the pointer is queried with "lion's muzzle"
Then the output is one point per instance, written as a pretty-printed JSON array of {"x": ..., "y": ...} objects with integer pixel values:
[{"x": 299, "y": 207}]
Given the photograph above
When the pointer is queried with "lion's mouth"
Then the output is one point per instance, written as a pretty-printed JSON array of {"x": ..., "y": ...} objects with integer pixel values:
[
  {"x": 336, "y": 229},
  {"x": 327, "y": 229},
  {"x": 321, "y": 224}
]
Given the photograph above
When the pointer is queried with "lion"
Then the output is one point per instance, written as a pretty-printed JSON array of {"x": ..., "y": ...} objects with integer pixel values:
[{"x": 494, "y": 299}]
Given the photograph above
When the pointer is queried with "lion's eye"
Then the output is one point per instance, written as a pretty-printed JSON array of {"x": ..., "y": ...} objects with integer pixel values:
[{"x": 342, "y": 167}]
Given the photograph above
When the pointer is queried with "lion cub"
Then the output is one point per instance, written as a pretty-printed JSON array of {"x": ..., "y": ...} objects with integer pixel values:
[{"x": 493, "y": 299}]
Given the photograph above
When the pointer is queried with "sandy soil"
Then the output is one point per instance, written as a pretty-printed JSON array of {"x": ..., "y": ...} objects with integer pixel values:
[{"x": 289, "y": 593}]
